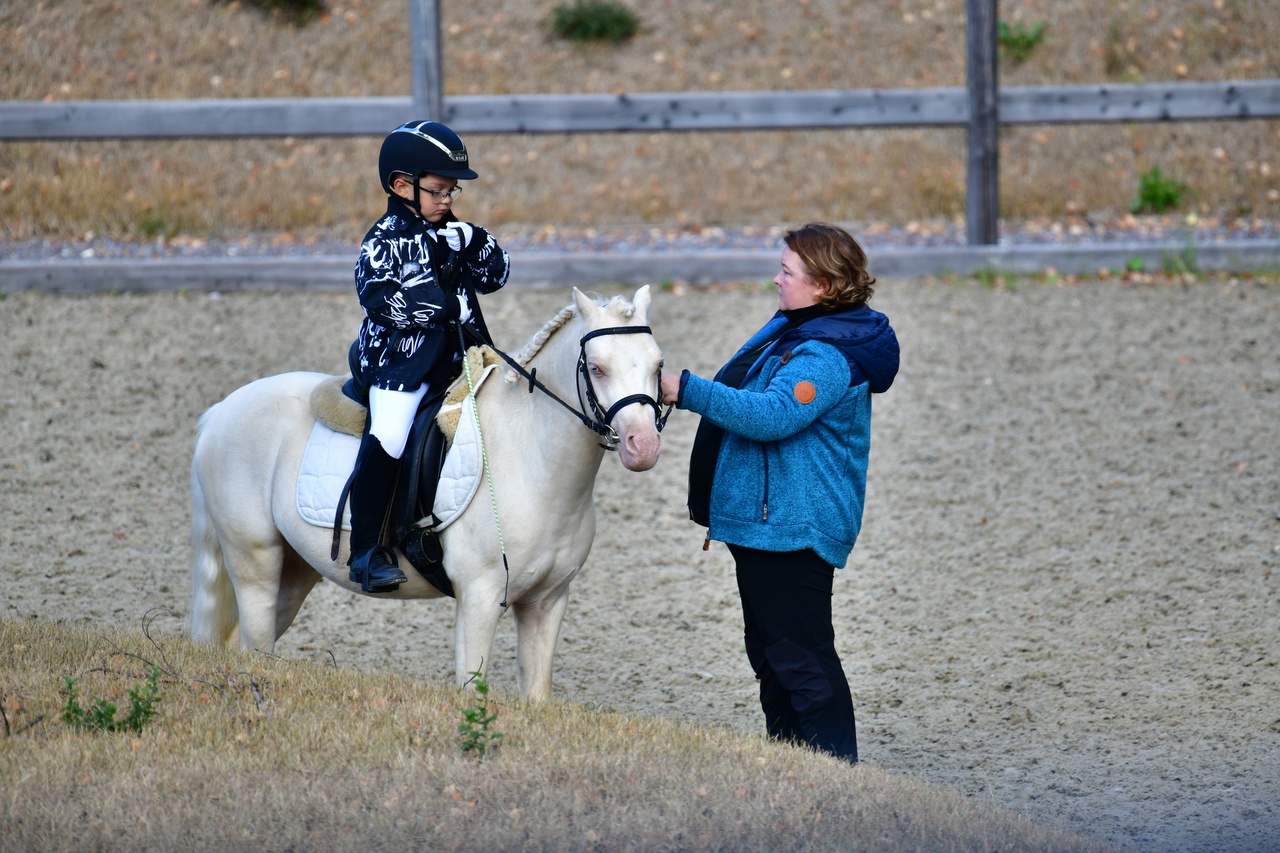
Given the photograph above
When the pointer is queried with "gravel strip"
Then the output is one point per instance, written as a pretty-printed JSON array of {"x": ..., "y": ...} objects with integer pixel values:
[{"x": 1075, "y": 231}]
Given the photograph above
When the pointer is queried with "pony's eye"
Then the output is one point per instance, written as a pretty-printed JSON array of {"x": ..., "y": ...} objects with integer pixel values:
[{"x": 595, "y": 369}]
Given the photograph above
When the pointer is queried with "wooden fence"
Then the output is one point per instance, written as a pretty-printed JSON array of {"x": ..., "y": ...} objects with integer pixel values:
[{"x": 980, "y": 107}]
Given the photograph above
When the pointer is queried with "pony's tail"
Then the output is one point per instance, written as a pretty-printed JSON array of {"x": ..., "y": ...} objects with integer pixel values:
[{"x": 212, "y": 615}]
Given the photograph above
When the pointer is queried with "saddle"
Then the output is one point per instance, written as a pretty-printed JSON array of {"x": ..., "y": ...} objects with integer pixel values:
[{"x": 412, "y": 524}]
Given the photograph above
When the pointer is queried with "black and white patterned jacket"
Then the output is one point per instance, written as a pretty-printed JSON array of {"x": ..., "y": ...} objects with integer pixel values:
[{"x": 409, "y": 334}]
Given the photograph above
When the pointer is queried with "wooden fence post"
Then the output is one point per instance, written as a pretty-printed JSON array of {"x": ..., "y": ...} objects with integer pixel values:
[
  {"x": 983, "y": 199},
  {"x": 428, "y": 83}
]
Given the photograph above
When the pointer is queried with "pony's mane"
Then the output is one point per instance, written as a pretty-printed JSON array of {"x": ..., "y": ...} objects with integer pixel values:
[
  {"x": 618, "y": 304},
  {"x": 543, "y": 335}
]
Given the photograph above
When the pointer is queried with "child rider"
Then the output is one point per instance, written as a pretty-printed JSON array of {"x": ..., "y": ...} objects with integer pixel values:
[{"x": 416, "y": 278}]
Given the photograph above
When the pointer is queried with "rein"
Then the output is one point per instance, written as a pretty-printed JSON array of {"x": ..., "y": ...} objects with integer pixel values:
[{"x": 599, "y": 421}]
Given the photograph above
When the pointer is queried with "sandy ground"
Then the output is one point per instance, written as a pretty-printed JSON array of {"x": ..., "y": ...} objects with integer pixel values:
[{"x": 1065, "y": 598}]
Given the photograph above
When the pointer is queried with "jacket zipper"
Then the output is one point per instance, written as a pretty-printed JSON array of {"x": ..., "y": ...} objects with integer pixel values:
[{"x": 765, "y": 513}]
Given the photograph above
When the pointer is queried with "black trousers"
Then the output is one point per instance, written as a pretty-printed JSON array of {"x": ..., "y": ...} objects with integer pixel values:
[{"x": 786, "y": 610}]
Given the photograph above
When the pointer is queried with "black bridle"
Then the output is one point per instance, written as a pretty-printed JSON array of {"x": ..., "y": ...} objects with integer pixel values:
[
  {"x": 605, "y": 418},
  {"x": 598, "y": 420}
]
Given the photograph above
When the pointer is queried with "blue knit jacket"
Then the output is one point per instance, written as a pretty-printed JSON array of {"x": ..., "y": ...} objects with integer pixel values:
[{"x": 792, "y": 469}]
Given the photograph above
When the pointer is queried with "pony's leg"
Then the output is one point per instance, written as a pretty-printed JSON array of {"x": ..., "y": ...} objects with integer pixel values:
[
  {"x": 297, "y": 579},
  {"x": 537, "y": 630},
  {"x": 476, "y": 623},
  {"x": 256, "y": 569}
]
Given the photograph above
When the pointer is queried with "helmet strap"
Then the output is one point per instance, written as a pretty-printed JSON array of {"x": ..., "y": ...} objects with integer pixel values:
[
  {"x": 414, "y": 204},
  {"x": 417, "y": 197}
]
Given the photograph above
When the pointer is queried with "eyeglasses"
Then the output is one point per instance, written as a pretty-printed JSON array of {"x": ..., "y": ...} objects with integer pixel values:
[{"x": 439, "y": 195}]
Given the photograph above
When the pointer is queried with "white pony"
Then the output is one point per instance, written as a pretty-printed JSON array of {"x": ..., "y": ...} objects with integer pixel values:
[{"x": 255, "y": 559}]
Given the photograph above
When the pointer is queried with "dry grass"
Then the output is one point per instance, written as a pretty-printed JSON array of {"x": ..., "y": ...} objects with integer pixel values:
[
  {"x": 251, "y": 752},
  {"x": 98, "y": 49}
]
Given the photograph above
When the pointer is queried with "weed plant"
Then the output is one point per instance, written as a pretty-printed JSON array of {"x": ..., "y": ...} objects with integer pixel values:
[
  {"x": 478, "y": 735},
  {"x": 1019, "y": 40},
  {"x": 992, "y": 279},
  {"x": 594, "y": 20},
  {"x": 1158, "y": 193},
  {"x": 296, "y": 11},
  {"x": 101, "y": 715},
  {"x": 1183, "y": 262}
]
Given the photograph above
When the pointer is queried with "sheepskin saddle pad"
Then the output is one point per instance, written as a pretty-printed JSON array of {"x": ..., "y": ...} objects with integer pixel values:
[{"x": 334, "y": 444}]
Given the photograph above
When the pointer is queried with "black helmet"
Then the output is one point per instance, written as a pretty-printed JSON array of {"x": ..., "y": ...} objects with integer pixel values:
[{"x": 418, "y": 147}]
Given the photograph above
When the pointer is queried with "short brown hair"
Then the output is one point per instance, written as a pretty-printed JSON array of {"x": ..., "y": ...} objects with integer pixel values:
[{"x": 835, "y": 260}]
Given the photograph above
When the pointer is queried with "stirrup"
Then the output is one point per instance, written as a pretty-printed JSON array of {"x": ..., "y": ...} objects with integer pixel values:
[{"x": 376, "y": 571}]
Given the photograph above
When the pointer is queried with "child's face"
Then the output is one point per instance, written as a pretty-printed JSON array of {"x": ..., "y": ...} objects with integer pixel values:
[{"x": 433, "y": 194}]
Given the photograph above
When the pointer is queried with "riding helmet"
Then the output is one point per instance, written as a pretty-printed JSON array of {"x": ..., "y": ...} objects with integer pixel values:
[{"x": 417, "y": 148}]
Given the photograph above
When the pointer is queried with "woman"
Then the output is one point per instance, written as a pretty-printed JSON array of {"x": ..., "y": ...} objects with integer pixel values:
[{"x": 778, "y": 473}]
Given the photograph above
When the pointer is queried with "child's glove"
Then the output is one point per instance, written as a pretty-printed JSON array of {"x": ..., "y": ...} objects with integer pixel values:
[
  {"x": 464, "y": 313},
  {"x": 462, "y": 236}
]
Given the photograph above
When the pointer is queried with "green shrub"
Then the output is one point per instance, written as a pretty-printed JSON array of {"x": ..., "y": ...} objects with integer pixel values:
[
  {"x": 1018, "y": 41},
  {"x": 1157, "y": 192},
  {"x": 297, "y": 11},
  {"x": 152, "y": 225},
  {"x": 101, "y": 715},
  {"x": 594, "y": 20},
  {"x": 478, "y": 736}
]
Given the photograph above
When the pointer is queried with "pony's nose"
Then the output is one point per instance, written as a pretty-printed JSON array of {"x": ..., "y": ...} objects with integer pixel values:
[{"x": 640, "y": 450}]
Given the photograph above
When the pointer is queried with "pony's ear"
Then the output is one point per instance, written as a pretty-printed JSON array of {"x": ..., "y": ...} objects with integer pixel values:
[
  {"x": 587, "y": 307},
  {"x": 641, "y": 301}
]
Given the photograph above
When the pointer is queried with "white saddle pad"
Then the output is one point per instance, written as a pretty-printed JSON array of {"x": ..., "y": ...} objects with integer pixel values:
[{"x": 330, "y": 457}]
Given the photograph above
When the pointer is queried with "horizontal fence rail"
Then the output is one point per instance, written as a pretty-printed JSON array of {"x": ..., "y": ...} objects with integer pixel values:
[
  {"x": 659, "y": 111},
  {"x": 1140, "y": 102},
  {"x": 235, "y": 117},
  {"x": 639, "y": 112}
]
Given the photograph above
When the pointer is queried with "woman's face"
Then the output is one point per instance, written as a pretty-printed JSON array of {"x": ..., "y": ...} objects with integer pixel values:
[{"x": 796, "y": 289}]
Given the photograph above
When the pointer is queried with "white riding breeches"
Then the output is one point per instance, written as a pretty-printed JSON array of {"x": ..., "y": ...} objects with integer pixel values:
[{"x": 391, "y": 415}]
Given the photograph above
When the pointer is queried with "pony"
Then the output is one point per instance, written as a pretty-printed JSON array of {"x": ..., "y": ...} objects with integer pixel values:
[{"x": 255, "y": 559}]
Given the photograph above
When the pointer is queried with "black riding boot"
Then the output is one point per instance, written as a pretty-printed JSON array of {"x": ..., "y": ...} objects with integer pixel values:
[{"x": 372, "y": 566}]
